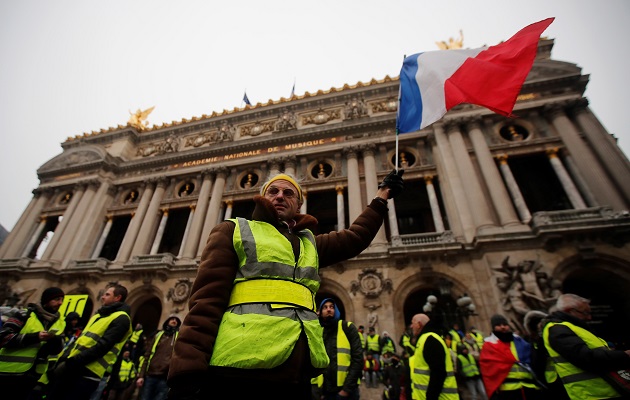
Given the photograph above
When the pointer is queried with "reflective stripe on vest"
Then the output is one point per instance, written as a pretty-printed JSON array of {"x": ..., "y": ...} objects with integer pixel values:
[
  {"x": 420, "y": 373},
  {"x": 17, "y": 361},
  {"x": 260, "y": 330},
  {"x": 135, "y": 336},
  {"x": 469, "y": 367},
  {"x": 343, "y": 354},
  {"x": 156, "y": 341},
  {"x": 127, "y": 371},
  {"x": 518, "y": 377},
  {"x": 578, "y": 383},
  {"x": 92, "y": 333}
]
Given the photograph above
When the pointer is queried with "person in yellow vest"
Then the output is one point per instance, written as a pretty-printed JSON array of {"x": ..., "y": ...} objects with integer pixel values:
[
  {"x": 371, "y": 370},
  {"x": 387, "y": 344},
  {"x": 153, "y": 373},
  {"x": 122, "y": 387},
  {"x": 431, "y": 366},
  {"x": 504, "y": 363},
  {"x": 137, "y": 341},
  {"x": 579, "y": 358},
  {"x": 27, "y": 339},
  {"x": 343, "y": 346},
  {"x": 456, "y": 336},
  {"x": 468, "y": 370},
  {"x": 83, "y": 365},
  {"x": 373, "y": 343},
  {"x": 477, "y": 335},
  {"x": 252, "y": 326},
  {"x": 362, "y": 336}
]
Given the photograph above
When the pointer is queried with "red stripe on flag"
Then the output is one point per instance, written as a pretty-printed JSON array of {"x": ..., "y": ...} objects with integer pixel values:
[{"x": 495, "y": 77}]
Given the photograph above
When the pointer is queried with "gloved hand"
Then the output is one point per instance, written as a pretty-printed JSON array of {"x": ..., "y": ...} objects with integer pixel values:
[{"x": 394, "y": 182}]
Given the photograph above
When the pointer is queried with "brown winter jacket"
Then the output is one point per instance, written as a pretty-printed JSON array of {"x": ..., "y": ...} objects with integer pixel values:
[{"x": 213, "y": 285}]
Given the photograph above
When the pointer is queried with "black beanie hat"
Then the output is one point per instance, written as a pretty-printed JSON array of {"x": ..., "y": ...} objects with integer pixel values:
[
  {"x": 498, "y": 319},
  {"x": 50, "y": 294}
]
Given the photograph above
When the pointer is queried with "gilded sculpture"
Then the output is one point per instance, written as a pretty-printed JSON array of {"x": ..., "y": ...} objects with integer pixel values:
[
  {"x": 138, "y": 119},
  {"x": 452, "y": 43}
]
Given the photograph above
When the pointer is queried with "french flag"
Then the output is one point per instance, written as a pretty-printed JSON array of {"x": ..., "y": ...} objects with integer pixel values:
[{"x": 433, "y": 82}]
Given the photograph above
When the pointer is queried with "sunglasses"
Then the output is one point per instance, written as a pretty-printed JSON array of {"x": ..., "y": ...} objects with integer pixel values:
[{"x": 286, "y": 193}]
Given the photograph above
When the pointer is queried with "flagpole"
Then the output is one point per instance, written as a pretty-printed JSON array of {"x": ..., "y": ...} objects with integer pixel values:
[{"x": 397, "y": 115}]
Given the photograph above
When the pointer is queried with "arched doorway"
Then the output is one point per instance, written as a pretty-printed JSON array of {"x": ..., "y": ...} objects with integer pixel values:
[
  {"x": 148, "y": 314},
  {"x": 444, "y": 312}
]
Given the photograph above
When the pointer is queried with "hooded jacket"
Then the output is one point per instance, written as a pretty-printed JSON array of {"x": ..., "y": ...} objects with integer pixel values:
[
  {"x": 159, "y": 360},
  {"x": 215, "y": 278}
]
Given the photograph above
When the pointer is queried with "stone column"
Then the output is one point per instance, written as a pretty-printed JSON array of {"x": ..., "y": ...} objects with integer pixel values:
[
  {"x": 354, "y": 185},
  {"x": 63, "y": 249},
  {"x": 160, "y": 232},
  {"x": 85, "y": 234},
  {"x": 35, "y": 237},
  {"x": 590, "y": 168},
  {"x": 474, "y": 195},
  {"x": 452, "y": 179},
  {"x": 149, "y": 224},
  {"x": 289, "y": 167},
  {"x": 393, "y": 220},
  {"x": 433, "y": 202},
  {"x": 371, "y": 187},
  {"x": 228, "y": 209},
  {"x": 303, "y": 208},
  {"x": 566, "y": 182},
  {"x": 103, "y": 238},
  {"x": 136, "y": 222},
  {"x": 12, "y": 246},
  {"x": 213, "y": 208},
  {"x": 498, "y": 193},
  {"x": 191, "y": 217},
  {"x": 191, "y": 243},
  {"x": 274, "y": 167},
  {"x": 515, "y": 191},
  {"x": 341, "y": 212},
  {"x": 77, "y": 195},
  {"x": 605, "y": 146},
  {"x": 579, "y": 181}
]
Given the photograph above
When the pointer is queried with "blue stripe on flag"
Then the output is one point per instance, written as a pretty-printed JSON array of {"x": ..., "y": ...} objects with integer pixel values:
[{"x": 409, "y": 116}]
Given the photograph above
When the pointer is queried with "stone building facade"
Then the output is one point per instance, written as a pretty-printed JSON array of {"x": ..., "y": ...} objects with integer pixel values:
[{"x": 499, "y": 215}]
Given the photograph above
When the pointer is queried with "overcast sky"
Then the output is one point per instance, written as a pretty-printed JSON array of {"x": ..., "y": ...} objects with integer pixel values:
[{"x": 73, "y": 66}]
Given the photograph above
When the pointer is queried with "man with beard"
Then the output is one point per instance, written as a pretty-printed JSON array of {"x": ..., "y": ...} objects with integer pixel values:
[
  {"x": 579, "y": 357},
  {"x": 343, "y": 346},
  {"x": 504, "y": 362},
  {"x": 27, "y": 339},
  {"x": 431, "y": 366},
  {"x": 83, "y": 364}
]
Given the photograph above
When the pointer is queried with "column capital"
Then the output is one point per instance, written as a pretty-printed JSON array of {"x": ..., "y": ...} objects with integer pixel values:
[
  {"x": 452, "y": 125},
  {"x": 229, "y": 203},
  {"x": 502, "y": 158},
  {"x": 192, "y": 206},
  {"x": 351, "y": 151},
  {"x": 339, "y": 189},
  {"x": 164, "y": 211},
  {"x": 473, "y": 123},
  {"x": 552, "y": 152},
  {"x": 428, "y": 179},
  {"x": 368, "y": 149}
]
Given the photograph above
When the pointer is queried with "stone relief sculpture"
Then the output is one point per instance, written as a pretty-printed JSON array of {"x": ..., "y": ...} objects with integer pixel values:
[
  {"x": 180, "y": 292},
  {"x": 355, "y": 108},
  {"x": 525, "y": 288},
  {"x": 169, "y": 145},
  {"x": 371, "y": 283},
  {"x": 286, "y": 121}
]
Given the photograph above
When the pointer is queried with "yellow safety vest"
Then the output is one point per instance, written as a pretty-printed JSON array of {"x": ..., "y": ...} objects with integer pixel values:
[
  {"x": 362, "y": 336},
  {"x": 420, "y": 373},
  {"x": 578, "y": 383},
  {"x": 92, "y": 333},
  {"x": 389, "y": 346},
  {"x": 272, "y": 301},
  {"x": 469, "y": 366},
  {"x": 407, "y": 345},
  {"x": 135, "y": 336},
  {"x": 478, "y": 338},
  {"x": 373, "y": 345},
  {"x": 156, "y": 341},
  {"x": 18, "y": 361},
  {"x": 343, "y": 354},
  {"x": 127, "y": 371},
  {"x": 518, "y": 377}
]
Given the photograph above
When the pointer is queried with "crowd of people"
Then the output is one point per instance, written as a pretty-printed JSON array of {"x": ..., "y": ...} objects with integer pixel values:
[{"x": 253, "y": 329}]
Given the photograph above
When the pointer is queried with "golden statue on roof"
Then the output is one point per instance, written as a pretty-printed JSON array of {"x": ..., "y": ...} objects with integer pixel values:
[
  {"x": 452, "y": 43},
  {"x": 139, "y": 119}
]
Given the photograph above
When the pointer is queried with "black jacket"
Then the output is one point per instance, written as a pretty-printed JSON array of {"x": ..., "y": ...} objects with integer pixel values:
[
  {"x": 563, "y": 340},
  {"x": 356, "y": 364},
  {"x": 434, "y": 354}
]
